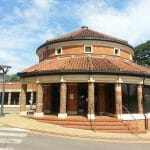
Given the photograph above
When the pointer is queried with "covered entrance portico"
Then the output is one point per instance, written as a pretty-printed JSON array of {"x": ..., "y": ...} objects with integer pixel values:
[{"x": 90, "y": 97}]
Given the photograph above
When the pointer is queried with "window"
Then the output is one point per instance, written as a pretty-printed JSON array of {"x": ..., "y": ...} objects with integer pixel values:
[
  {"x": 58, "y": 51},
  {"x": 15, "y": 98},
  {"x": 117, "y": 51},
  {"x": 130, "y": 56},
  {"x": 88, "y": 49},
  {"x": 146, "y": 96},
  {"x": 129, "y": 97}
]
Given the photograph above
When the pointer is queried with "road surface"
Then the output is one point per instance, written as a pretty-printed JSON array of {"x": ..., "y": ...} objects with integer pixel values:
[{"x": 18, "y": 139}]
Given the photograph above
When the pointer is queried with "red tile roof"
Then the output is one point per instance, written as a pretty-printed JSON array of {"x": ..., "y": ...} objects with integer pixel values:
[
  {"x": 88, "y": 63},
  {"x": 85, "y": 32}
]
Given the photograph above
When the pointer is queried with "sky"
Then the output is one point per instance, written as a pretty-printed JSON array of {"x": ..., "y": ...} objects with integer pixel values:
[{"x": 26, "y": 24}]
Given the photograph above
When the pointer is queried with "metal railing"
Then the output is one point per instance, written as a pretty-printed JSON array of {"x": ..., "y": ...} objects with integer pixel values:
[{"x": 126, "y": 109}]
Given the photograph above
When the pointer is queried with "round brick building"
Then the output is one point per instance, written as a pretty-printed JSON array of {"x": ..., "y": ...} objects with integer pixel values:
[{"x": 87, "y": 73}]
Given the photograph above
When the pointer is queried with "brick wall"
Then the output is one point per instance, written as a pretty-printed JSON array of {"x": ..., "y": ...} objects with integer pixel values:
[
  {"x": 17, "y": 85},
  {"x": 77, "y": 47}
]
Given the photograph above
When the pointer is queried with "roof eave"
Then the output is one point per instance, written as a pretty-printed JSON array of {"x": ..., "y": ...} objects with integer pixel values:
[{"x": 63, "y": 72}]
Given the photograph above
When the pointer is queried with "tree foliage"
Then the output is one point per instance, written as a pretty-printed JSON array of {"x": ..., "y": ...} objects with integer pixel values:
[
  {"x": 14, "y": 77},
  {"x": 142, "y": 54}
]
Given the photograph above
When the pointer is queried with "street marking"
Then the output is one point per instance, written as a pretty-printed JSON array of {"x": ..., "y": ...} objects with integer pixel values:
[
  {"x": 12, "y": 141},
  {"x": 13, "y": 129},
  {"x": 13, "y": 134},
  {"x": 7, "y": 148}
]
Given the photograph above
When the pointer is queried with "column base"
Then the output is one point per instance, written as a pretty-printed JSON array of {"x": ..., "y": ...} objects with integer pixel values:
[
  {"x": 91, "y": 116},
  {"x": 47, "y": 111},
  {"x": 72, "y": 112},
  {"x": 101, "y": 113},
  {"x": 23, "y": 113},
  {"x": 131, "y": 117},
  {"x": 37, "y": 114},
  {"x": 62, "y": 115}
]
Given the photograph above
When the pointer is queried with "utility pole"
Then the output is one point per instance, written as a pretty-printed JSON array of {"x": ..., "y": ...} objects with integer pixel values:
[{"x": 3, "y": 71}]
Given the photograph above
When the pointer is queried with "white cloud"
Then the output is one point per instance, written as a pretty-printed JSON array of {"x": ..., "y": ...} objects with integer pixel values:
[
  {"x": 25, "y": 26},
  {"x": 132, "y": 23}
]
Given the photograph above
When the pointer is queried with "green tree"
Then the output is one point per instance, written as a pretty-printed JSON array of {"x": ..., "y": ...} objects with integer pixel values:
[
  {"x": 14, "y": 77},
  {"x": 142, "y": 54}
]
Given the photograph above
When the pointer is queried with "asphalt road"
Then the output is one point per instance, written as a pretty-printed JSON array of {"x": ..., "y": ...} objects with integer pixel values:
[{"x": 25, "y": 140}]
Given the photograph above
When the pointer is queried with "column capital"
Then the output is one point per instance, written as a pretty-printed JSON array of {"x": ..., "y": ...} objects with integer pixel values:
[
  {"x": 91, "y": 79},
  {"x": 62, "y": 80},
  {"x": 119, "y": 80}
]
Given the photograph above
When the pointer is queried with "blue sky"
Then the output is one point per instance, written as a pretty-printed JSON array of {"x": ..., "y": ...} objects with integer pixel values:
[{"x": 25, "y": 24}]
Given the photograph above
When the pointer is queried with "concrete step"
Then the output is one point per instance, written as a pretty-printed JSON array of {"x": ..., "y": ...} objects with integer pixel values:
[
  {"x": 98, "y": 127},
  {"x": 101, "y": 124},
  {"x": 87, "y": 123}
]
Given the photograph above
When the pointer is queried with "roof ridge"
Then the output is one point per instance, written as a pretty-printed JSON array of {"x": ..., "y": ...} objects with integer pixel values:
[{"x": 91, "y": 66}]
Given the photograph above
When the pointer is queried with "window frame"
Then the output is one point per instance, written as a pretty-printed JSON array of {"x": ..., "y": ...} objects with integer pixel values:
[
  {"x": 88, "y": 45},
  {"x": 116, "y": 48},
  {"x": 56, "y": 52}
]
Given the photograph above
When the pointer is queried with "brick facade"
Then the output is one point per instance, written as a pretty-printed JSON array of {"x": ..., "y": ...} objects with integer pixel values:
[{"x": 79, "y": 50}]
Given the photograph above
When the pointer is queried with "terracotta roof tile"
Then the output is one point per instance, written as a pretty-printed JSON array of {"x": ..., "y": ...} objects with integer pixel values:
[
  {"x": 85, "y": 33},
  {"x": 85, "y": 63}
]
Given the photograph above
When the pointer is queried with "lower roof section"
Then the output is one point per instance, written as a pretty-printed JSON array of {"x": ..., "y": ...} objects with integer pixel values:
[{"x": 86, "y": 65}]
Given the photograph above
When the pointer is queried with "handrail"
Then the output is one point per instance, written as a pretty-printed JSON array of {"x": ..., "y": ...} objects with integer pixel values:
[{"x": 126, "y": 109}]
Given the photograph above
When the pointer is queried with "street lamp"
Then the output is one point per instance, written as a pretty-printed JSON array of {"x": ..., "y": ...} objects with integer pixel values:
[{"x": 3, "y": 71}]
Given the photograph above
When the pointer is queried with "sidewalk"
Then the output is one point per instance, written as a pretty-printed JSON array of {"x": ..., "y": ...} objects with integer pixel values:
[{"x": 14, "y": 120}]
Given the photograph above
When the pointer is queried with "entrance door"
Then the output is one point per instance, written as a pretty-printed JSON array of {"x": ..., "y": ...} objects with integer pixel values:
[
  {"x": 110, "y": 98},
  {"x": 55, "y": 96},
  {"x": 82, "y": 98}
]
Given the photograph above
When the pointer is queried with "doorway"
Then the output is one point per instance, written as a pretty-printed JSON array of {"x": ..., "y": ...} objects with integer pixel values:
[
  {"x": 110, "y": 98},
  {"x": 55, "y": 98},
  {"x": 82, "y": 98}
]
